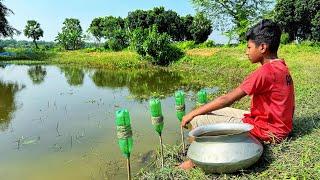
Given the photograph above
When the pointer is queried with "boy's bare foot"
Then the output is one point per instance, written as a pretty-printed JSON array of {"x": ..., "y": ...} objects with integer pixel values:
[{"x": 187, "y": 165}]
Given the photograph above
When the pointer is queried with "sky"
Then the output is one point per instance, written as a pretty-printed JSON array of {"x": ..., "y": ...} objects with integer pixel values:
[{"x": 51, "y": 13}]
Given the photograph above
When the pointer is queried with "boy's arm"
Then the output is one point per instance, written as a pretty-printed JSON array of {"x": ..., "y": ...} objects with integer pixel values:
[{"x": 218, "y": 103}]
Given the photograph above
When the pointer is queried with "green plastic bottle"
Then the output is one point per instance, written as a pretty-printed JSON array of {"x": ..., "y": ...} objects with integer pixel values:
[
  {"x": 180, "y": 104},
  {"x": 123, "y": 123},
  {"x": 202, "y": 97},
  {"x": 156, "y": 112}
]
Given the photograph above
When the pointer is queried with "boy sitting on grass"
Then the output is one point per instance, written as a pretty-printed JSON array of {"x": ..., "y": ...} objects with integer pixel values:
[{"x": 270, "y": 87}]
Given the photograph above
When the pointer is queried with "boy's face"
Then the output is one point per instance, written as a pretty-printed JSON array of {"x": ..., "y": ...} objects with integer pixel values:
[{"x": 255, "y": 53}]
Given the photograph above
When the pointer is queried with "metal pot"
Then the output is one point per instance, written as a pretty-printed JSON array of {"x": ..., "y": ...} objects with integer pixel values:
[{"x": 224, "y": 147}]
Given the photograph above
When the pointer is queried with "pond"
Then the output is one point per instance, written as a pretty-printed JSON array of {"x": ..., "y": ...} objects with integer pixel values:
[{"x": 58, "y": 122}]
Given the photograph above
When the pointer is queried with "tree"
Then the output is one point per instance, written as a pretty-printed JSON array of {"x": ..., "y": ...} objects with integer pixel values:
[
  {"x": 298, "y": 18},
  {"x": 118, "y": 41},
  {"x": 231, "y": 15},
  {"x": 5, "y": 29},
  {"x": 71, "y": 36},
  {"x": 96, "y": 28},
  {"x": 167, "y": 22},
  {"x": 186, "y": 27},
  {"x": 33, "y": 30},
  {"x": 111, "y": 25},
  {"x": 200, "y": 28},
  {"x": 139, "y": 19},
  {"x": 284, "y": 16},
  {"x": 315, "y": 30}
]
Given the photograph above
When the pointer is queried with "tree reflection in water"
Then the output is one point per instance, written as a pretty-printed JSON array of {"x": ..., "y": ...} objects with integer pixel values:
[
  {"x": 7, "y": 103},
  {"x": 141, "y": 84},
  {"x": 74, "y": 75},
  {"x": 37, "y": 74}
]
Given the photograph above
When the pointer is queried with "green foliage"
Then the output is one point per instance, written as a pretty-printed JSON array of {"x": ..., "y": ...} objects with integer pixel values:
[
  {"x": 118, "y": 41},
  {"x": 201, "y": 28},
  {"x": 71, "y": 36},
  {"x": 186, "y": 27},
  {"x": 139, "y": 19},
  {"x": 11, "y": 43},
  {"x": 26, "y": 54},
  {"x": 168, "y": 21},
  {"x": 159, "y": 48},
  {"x": 230, "y": 15},
  {"x": 137, "y": 38},
  {"x": 111, "y": 26},
  {"x": 96, "y": 28},
  {"x": 284, "y": 38},
  {"x": 315, "y": 29},
  {"x": 284, "y": 16},
  {"x": 33, "y": 30},
  {"x": 184, "y": 45},
  {"x": 5, "y": 29},
  {"x": 298, "y": 18}
]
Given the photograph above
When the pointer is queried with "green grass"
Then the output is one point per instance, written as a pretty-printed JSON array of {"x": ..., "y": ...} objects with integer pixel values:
[{"x": 225, "y": 67}]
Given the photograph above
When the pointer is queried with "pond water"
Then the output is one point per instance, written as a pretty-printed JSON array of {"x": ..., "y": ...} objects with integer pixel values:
[{"x": 58, "y": 122}]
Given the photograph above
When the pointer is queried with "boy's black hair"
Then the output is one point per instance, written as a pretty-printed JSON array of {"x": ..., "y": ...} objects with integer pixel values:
[{"x": 266, "y": 31}]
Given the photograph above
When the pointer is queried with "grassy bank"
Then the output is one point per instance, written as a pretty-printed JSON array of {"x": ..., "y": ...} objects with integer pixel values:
[{"x": 296, "y": 158}]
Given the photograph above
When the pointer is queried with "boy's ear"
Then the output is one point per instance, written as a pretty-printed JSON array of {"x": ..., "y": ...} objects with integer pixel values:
[{"x": 263, "y": 48}]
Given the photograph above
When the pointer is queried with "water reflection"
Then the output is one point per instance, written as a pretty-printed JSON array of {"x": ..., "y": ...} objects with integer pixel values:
[
  {"x": 141, "y": 84},
  {"x": 2, "y": 65},
  {"x": 37, "y": 74},
  {"x": 74, "y": 75},
  {"x": 7, "y": 103}
]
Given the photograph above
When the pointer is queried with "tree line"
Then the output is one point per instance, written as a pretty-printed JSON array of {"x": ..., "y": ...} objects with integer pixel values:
[{"x": 151, "y": 32}]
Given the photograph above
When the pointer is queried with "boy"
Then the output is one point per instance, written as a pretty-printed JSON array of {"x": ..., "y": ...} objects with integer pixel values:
[{"x": 271, "y": 88}]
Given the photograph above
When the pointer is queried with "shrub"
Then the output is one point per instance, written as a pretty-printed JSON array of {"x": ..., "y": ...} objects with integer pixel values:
[
  {"x": 207, "y": 44},
  {"x": 285, "y": 38},
  {"x": 159, "y": 48},
  {"x": 185, "y": 45},
  {"x": 137, "y": 38}
]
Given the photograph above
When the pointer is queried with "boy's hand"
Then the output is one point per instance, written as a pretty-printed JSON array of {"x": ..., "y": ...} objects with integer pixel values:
[{"x": 186, "y": 119}]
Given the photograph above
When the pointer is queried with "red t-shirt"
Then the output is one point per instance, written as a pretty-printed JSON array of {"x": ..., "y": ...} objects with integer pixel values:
[{"x": 272, "y": 103}]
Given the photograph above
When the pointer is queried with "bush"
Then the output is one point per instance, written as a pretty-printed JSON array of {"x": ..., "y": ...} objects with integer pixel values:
[
  {"x": 159, "y": 48},
  {"x": 285, "y": 39},
  {"x": 207, "y": 44},
  {"x": 137, "y": 38},
  {"x": 185, "y": 45},
  {"x": 310, "y": 43}
]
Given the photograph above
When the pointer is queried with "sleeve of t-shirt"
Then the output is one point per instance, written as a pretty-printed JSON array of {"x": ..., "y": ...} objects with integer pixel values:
[{"x": 256, "y": 83}]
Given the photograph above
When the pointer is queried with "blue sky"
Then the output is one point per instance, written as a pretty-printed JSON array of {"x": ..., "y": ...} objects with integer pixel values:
[{"x": 51, "y": 13}]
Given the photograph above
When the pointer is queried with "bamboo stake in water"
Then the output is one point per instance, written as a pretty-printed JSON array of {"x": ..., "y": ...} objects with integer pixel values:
[
  {"x": 128, "y": 168},
  {"x": 161, "y": 151},
  {"x": 182, "y": 139}
]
